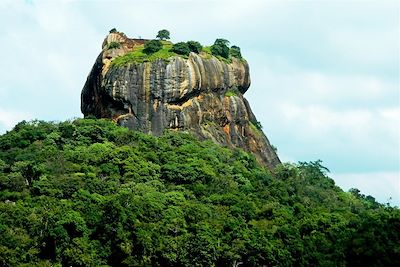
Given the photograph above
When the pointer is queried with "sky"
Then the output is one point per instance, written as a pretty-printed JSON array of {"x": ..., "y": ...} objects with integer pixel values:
[{"x": 325, "y": 74}]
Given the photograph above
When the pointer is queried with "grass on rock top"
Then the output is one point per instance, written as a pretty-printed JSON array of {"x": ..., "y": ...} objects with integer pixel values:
[{"x": 138, "y": 56}]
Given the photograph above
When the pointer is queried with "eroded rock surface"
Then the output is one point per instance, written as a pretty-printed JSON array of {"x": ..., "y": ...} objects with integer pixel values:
[{"x": 199, "y": 94}]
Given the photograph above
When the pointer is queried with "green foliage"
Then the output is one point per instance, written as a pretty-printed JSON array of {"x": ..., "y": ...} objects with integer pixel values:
[
  {"x": 181, "y": 48},
  {"x": 155, "y": 49},
  {"x": 113, "y": 45},
  {"x": 90, "y": 193},
  {"x": 220, "y": 48},
  {"x": 139, "y": 56},
  {"x": 194, "y": 46},
  {"x": 152, "y": 46},
  {"x": 163, "y": 35},
  {"x": 256, "y": 124},
  {"x": 230, "y": 93},
  {"x": 207, "y": 50},
  {"x": 113, "y": 30},
  {"x": 235, "y": 52}
]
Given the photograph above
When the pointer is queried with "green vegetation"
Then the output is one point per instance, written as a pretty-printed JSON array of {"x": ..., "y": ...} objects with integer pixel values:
[
  {"x": 163, "y": 35},
  {"x": 230, "y": 93},
  {"x": 207, "y": 50},
  {"x": 139, "y": 56},
  {"x": 161, "y": 49},
  {"x": 113, "y": 30},
  {"x": 152, "y": 46},
  {"x": 90, "y": 193},
  {"x": 235, "y": 52},
  {"x": 181, "y": 48},
  {"x": 194, "y": 46},
  {"x": 255, "y": 128},
  {"x": 220, "y": 48},
  {"x": 113, "y": 45},
  {"x": 256, "y": 124}
]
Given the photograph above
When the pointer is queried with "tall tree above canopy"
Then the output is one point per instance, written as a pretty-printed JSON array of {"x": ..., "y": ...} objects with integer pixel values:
[{"x": 163, "y": 34}]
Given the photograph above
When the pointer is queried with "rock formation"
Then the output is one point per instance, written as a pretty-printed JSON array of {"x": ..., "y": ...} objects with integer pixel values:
[{"x": 199, "y": 94}]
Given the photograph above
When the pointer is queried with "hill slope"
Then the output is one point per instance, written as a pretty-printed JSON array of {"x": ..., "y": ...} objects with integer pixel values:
[{"x": 90, "y": 193}]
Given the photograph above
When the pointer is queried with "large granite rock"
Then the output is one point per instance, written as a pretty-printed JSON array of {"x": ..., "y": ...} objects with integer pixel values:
[{"x": 199, "y": 94}]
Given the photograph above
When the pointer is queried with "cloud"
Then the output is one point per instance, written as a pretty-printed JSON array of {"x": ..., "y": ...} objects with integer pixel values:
[
  {"x": 321, "y": 86},
  {"x": 325, "y": 81},
  {"x": 384, "y": 186},
  {"x": 365, "y": 47},
  {"x": 49, "y": 50},
  {"x": 348, "y": 121}
]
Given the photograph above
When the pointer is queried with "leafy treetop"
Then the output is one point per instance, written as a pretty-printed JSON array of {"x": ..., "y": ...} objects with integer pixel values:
[
  {"x": 220, "y": 48},
  {"x": 90, "y": 193},
  {"x": 235, "y": 51},
  {"x": 194, "y": 46},
  {"x": 163, "y": 34},
  {"x": 152, "y": 46},
  {"x": 181, "y": 48}
]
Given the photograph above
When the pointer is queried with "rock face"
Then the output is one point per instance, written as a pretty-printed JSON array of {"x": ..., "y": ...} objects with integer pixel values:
[{"x": 198, "y": 94}]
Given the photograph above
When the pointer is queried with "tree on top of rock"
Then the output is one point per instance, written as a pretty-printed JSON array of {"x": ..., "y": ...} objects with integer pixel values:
[
  {"x": 163, "y": 34},
  {"x": 181, "y": 48},
  {"x": 152, "y": 46},
  {"x": 235, "y": 51},
  {"x": 220, "y": 48}
]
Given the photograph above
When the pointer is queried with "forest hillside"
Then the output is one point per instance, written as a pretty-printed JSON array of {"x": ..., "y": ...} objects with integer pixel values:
[{"x": 90, "y": 193}]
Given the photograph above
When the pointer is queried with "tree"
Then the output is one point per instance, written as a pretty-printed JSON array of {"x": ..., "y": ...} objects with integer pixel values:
[
  {"x": 194, "y": 46},
  {"x": 90, "y": 193},
  {"x": 113, "y": 30},
  {"x": 220, "y": 48},
  {"x": 152, "y": 46},
  {"x": 235, "y": 51},
  {"x": 113, "y": 45},
  {"x": 163, "y": 34},
  {"x": 181, "y": 48}
]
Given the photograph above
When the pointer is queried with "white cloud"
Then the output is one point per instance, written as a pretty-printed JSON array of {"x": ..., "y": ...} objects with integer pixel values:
[
  {"x": 365, "y": 46},
  {"x": 351, "y": 122},
  {"x": 367, "y": 138},
  {"x": 384, "y": 186},
  {"x": 48, "y": 50},
  {"x": 322, "y": 87},
  {"x": 324, "y": 74},
  {"x": 354, "y": 124}
]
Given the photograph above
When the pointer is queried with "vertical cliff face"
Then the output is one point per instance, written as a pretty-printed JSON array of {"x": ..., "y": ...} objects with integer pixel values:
[{"x": 199, "y": 94}]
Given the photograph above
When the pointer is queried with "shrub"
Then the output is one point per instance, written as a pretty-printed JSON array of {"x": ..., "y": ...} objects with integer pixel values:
[
  {"x": 152, "y": 46},
  {"x": 220, "y": 48},
  {"x": 180, "y": 48},
  {"x": 235, "y": 51},
  {"x": 230, "y": 93},
  {"x": 113, "y": 30},
  {"x": 257, "y": 124},
  {"x": 113, "y": 45},
  {"x": 163, "y": 34},
  {"x": 194, "y": 46}
]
